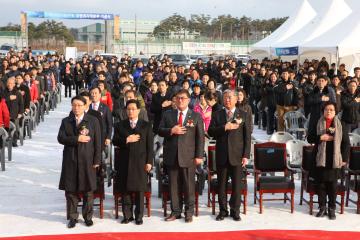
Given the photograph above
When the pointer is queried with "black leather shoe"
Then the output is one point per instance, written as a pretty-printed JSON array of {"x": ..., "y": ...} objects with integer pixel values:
[
  {"x": 127, "y": 220},
  {"x": 321, "y": 213},
  {"x": 188, "y": 219},
  {"x": 172, "y": 218},
  {"x": 236, "y": 217},
  {"x": 139, "y": 221},
  {"x": 331, "y": 213},
  {"x": 220, "y": 217},
  {"x": 89, "y": 223},
  {"x": 72, "y": 223}
]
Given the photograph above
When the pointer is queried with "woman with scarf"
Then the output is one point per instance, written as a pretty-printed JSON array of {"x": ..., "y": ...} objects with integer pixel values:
[{"x": 328, "y": 138}]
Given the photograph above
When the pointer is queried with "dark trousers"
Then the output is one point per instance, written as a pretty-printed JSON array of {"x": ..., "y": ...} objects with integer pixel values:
[
  {"x": 78, "y": 86},
  {"x": 68, "y": 90},
  {"x": 270, "y": 120},
  {"x": 72, "y": 201},
  {"x": 127, "y": 204},
  {"x": 182, "y": 181},
  {"x": 327, "y": 189},
  {"x": 223, "y": 174}
]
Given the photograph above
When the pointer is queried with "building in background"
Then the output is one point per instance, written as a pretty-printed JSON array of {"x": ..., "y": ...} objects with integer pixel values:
[{"x": 95, "y": 32}]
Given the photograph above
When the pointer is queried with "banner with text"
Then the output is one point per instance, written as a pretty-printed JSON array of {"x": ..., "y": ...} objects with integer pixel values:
[
  {"x": 290, "y": 51},
  {"x": 58, "y": 15},
  {"x": 206, "y": 46}
]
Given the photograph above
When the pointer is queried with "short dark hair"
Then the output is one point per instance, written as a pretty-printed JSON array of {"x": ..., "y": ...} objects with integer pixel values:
[
  {"x": 102, "y": 73},
  {"x": 95, "y": 87},
  {"x": 327, "y": 104},
  {"x": 130, "y": 91},
  {"x": 163, "y": 80},
  {"x": 183, "y": 91},
  {"x": 136, "y": 102},
  {"x": 211, "y": 80},
  {"x": 85, "y": 94},
  {"x": 352, "y": 81},
  {"x": 211, "y": 96},
  {"x": 80, "y": 98}
]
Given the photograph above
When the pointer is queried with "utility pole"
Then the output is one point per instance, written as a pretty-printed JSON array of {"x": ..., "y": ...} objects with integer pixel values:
[
  {"x": 221, "y": 27},
  {"x": 136, "y": 43}
]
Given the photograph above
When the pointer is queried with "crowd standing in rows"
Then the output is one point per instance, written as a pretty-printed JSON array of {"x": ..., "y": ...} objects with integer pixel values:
[{"x": 159, "y": 92}]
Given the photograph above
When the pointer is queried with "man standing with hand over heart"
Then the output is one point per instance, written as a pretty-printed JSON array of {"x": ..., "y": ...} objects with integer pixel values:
[
  {"x": 231, "y": 129},
  {"x": 81, "y": 136},
  {"x": 183, "y": 132}
]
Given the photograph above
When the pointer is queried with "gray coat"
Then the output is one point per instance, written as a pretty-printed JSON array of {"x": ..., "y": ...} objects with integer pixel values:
[
  {"x": 321, "y": 153},
  {"x": 182, "y": 148}
]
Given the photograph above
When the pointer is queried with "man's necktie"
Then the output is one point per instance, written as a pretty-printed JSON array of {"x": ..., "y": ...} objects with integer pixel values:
[
  {"x": 180, "y": 122},
  {"x": 229, "y": 116}
]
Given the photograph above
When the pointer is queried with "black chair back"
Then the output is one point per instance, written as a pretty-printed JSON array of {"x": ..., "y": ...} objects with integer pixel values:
[
  {"x": 354, "y": 161},
  {"x": 212, "y": 158},
  {"x": 270, "y": 157}
]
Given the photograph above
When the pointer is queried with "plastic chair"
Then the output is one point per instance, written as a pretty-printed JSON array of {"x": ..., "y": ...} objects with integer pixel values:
[
  {"x": 294, "y": 149},
  {"x": 33, "y": 117},
  {"x": 20, "y": 125},
  {"x": 295, "y": 123},
  {"x": 281, "y": 137},
  {"x": 356, "y": 131},
  {"x": 354, "y": 139},
  {"x": 8, "y": 142},
  {"x": 3, "y": 135}
]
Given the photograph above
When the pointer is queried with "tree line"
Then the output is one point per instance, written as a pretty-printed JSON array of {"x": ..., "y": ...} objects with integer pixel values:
[
  {"x": 224, "y": 27},
  {"x": 49, "y": 29}
]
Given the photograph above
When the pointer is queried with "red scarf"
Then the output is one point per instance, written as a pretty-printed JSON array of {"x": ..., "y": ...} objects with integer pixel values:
[{"x": 328, "y": 122}]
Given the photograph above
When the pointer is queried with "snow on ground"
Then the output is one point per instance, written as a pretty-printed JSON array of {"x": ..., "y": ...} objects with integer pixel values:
[{"x": 31, "y": 204}]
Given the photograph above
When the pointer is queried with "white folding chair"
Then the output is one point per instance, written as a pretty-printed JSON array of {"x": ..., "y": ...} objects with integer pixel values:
[
  {"x": 281, "y": 137},
  {"x": 354, "y": 139}
]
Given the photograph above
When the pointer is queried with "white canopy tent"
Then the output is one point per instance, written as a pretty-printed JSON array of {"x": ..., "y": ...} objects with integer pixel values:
[
  {"x": 340, "y": 42},
  {"x": 304, "y": 14},
  {"x": 331, "y": 13}
]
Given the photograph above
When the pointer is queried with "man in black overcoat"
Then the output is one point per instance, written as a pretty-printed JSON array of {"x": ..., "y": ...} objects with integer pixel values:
[
  {"x": 81, "y": 136},
  {"x": 231, "y": 129},
  {"x": 133, "y": 140},
  {"x": 105, "y": 112},
  {"x": 183, "y": 132}
]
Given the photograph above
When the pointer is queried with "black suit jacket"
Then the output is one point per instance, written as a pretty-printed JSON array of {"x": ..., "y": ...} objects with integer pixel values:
[
  {"x": 78, "y": 174},
  {"x": 107, "y": 119},
  {"x": 157, "y": 109},
  {"x": 231, "y": 145},
  {"x": 130, "y": 158},
  {"x": 182, "y": 148}
]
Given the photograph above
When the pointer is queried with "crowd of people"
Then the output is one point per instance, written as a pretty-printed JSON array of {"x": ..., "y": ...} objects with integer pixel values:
[{"x": 126, "y": 103}]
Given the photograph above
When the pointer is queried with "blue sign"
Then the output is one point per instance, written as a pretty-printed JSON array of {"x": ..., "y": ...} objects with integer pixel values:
[
  {"x": 57, "y": 15},
  {"x": 290, "y": 51}
]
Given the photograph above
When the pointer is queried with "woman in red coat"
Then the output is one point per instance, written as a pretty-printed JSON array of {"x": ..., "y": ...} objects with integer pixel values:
[
  {"x": 105, "y": 95},
  {"x": 4, "y": 114}
]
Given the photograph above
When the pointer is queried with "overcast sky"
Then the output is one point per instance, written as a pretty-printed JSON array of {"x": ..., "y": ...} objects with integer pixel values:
[{"x": 148, "y": 9}]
